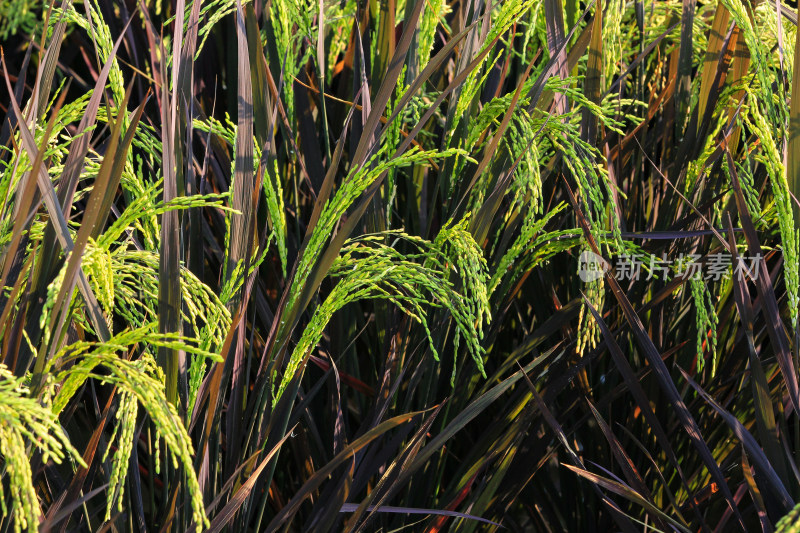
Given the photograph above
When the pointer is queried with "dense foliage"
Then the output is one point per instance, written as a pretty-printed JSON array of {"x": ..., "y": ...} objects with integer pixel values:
[{"x": 318, "y": 266}]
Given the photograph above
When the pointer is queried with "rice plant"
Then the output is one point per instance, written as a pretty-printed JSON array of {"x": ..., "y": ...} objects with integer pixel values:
[{"x": 374, "y": 265}]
